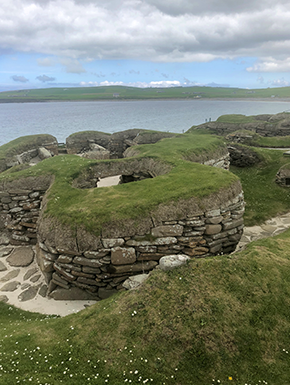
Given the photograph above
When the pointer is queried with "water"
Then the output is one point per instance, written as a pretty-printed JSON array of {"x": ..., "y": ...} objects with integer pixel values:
[{"x": 61, "y": 119}]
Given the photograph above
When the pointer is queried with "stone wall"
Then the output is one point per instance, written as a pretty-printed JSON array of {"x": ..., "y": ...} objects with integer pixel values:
[
  {"x": 101, "y": 269},
  {"x": 20, "y": 204},
  {"x": 283, "y": 176}
]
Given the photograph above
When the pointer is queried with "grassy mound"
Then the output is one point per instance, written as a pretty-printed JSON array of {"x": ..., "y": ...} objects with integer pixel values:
[
  {"x": 214, "y": 321},
  {"x": 94, "y": 207},
  {"x": 24, "y": 143},
  {"x": 264, "y": 198}
]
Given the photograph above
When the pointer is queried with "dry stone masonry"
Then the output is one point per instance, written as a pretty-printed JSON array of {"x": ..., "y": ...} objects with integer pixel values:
[{"x": 101, "y": 271}]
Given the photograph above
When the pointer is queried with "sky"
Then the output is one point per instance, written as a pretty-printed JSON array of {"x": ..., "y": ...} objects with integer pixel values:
[{"x": 144, "y": 43}]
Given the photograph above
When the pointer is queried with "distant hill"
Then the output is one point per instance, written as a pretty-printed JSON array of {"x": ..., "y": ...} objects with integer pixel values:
[{"x": 133, "y": 93}]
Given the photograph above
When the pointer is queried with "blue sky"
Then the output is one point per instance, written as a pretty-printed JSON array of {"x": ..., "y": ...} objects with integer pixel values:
[{"x": 144, "y": 43}]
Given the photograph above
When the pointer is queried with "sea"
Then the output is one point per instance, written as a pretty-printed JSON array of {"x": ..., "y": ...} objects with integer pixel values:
[{"x": 62, "y": 119}]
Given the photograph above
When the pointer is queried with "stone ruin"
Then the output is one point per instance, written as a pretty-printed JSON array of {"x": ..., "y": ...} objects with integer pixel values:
[{"x": 77, "y": 264}]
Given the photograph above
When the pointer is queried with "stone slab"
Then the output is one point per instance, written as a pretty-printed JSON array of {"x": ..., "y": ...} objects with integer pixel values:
[
  {"x": 2, "y": 266},
  {"x": 11, "y": 286},
  {"x": 21, "y": 257}
]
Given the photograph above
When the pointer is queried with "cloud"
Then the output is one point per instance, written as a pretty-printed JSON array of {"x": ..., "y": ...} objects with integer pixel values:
[
  {"x": 134, "y": 72},
  {"x": 45, "y": 78},
  {"x": 271, "y": 65},
  {"x": 21, "y": 79},
  {"x": 72, "y": 66},
  {"x": 279, "y": 83},
  {"x": 153, "y": 30},
  {"x": 165, "y": 83},
  {"x": 46, "y": 62},
  {"x": 155, "y": 84}
]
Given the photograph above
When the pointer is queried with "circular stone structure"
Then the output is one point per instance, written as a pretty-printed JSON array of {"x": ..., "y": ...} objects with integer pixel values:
[{"x": 90, "y": 240}]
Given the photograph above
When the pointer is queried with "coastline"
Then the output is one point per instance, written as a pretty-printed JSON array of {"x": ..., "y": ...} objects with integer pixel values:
[{"x": 251, "y": 99}]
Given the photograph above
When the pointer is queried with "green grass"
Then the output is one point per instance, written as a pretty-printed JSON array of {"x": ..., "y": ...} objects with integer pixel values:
[
  {"x": 264, "y": 198},
  {"x": 133, "y": 93},
  {"x": 204, "y": 323},
  {"x": 236, "y": 119},
  {"x": 276, "y": 141},
  {"x": 95, "y": 207}
]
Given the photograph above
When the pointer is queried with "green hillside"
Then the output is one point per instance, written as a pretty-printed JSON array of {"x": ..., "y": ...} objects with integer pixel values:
[{"x": 133, "y": 93}]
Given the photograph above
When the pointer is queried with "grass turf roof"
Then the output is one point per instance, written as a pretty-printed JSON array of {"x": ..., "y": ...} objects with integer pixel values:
[{"x": 94, "y": 207}]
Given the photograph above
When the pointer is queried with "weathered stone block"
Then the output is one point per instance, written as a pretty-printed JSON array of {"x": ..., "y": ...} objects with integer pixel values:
[
  {"x": 64, "y": 259},
  {"x": 153, "y": 242},
  {"x": 137, "y": 267},
  {"x": 235, "y": 223},
  {"x": 214, "y": 220},
  {"x": 213, "y": 213},
  {"x": 167, "y": 231},
  {"x": 123, "y": 256},
  {"x": 113, "y": 242},
  {"x": 87, "y": 262},
  {"x": 63, "y": 272},
  {"x": 213, "y": 229},
  {"x": 96, "y": 254}
]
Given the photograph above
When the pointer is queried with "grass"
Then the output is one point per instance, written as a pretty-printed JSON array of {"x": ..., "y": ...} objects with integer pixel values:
[
  {"x": 95, "y": 207},
  {"x": 223, "y": 320},
  {"x": 276, "y": 141},
  {"x": 133, "y": 93},
  {"x": 264, "y": 198}
]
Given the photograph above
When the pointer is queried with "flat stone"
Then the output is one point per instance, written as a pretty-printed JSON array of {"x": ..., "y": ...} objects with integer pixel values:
[
  {"x": 28, "y": 294},
  {"x": 135, "y": 268},
  {"x": 87, "y": 262},
  {"x": 123, "y": 256},
  {"x": 4, "y": 240},
  {"x": 213, "y": 229},
  {"x": 231, "y": 225},
  {"x": 43, "y": 291},
  {"x": 25, "y": 286},
  {"x": 30, "y": 273},
  {"x": 114, "y": 242},
  {"x": 73, "y": 293},
  {"x": 167, "y": 231},
  {"x": 213, "y": 213},
  {"x": 11, "y": 286},
  {"x": 135, "y": 281},
  {"x": 156, "y": 242},
  {"x": 268, "y": 228},
  {"x": 11, "y": 275},
  {"x": 172, "y": 261},
  {"x": 2, "y": 266},
  {"x": 35, "y": 278},
  {"x": 64, "y": 259},
  {"x": 3, "y": 298},
  {"x": 214, "y": 220},
  {"x": 5, "y": 251},
  {"x": 21, "y": 257}
]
